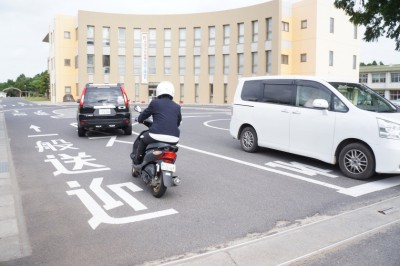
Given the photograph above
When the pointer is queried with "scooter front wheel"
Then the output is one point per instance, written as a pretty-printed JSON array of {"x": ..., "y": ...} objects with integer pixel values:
[
  {"x": 134, "y": 172},
  {"x": 159, "y": 189}
]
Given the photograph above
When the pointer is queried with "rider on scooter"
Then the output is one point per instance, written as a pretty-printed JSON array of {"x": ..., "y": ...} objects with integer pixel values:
[{"x": 166, "y": 120}]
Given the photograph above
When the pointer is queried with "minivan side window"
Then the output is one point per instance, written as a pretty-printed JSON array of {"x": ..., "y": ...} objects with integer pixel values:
[
  {"x": 308, "y": 91},
  {"x": 279, "y": 93}
]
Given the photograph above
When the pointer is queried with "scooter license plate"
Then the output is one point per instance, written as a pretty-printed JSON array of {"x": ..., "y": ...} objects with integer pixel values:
[{"x": 168, "y": 167}]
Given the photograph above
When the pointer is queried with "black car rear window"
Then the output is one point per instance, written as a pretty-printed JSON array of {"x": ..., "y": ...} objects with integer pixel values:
[{"x": 111, "y": 95}]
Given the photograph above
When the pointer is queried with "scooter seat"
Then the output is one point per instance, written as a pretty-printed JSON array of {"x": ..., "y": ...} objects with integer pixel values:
[{"x": 162, "y": 146}]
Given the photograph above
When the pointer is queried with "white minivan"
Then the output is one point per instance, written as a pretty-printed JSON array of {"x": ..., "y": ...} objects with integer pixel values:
[{"x": 335, "y": 122}]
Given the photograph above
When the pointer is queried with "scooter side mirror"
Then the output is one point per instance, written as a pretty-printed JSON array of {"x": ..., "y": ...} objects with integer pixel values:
[{"x": 137, "y": 108}]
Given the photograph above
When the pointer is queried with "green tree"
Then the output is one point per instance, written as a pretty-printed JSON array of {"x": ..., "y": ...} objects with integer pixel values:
[{"x": 380, "y": 17}]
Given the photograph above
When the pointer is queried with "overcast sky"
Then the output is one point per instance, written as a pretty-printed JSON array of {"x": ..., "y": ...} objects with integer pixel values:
[{"x": 24, "y": 24}]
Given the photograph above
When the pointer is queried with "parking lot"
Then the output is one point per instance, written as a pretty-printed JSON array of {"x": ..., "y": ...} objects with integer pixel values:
[{"x": 227, "y": 195}]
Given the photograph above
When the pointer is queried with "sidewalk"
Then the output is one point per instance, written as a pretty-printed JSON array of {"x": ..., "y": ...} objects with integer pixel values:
[
  {"x": 13, "y": 236},
  {"x": 293, "y": 245}
]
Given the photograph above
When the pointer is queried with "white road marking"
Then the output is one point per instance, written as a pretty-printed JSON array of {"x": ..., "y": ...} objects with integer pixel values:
[
  {"x": 265, "y": 168},
  {"x": 371, "y": 187},
  {"x": 44, "y": 135},
  {"x": 220, "y": 128}
]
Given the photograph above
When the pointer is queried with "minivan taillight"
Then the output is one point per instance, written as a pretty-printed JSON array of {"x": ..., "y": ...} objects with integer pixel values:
[{"x": 82, "y": 97}]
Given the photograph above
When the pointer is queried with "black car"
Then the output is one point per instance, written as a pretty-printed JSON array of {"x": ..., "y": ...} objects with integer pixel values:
[{"x": 103, "y": 106}]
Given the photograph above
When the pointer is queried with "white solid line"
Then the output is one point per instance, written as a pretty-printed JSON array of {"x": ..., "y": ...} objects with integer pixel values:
[
  {"x": 45, "y": 135},
  {"x": 265, "y": 168},
  {"x": 207, "y": 125},
  {"x": 371, "y": 187}
]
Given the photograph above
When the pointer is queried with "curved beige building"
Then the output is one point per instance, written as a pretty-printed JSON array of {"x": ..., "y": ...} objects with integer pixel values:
[{"x": 203, "y": 54}]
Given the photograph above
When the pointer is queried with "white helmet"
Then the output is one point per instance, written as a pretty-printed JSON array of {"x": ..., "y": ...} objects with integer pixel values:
[{"x": 165, "y": 87}]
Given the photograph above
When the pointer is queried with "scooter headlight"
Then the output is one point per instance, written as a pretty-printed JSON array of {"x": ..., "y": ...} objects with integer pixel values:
[{"x": 388, "y": 129}]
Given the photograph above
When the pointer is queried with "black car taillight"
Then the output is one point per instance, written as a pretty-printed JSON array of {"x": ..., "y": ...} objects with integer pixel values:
[
  {"x": 125, "y": 97},
  {"x": 82, "y": 97}
]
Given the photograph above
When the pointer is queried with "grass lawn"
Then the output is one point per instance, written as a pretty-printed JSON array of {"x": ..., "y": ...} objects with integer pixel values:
[{"x": 37, "y": 99}]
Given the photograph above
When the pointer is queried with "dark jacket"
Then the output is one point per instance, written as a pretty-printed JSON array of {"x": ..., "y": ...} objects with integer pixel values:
[{"x": 166, "y": 116}]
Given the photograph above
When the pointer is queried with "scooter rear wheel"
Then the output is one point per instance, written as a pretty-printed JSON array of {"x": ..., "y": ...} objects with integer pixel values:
[{"x": 159, "y": 189}]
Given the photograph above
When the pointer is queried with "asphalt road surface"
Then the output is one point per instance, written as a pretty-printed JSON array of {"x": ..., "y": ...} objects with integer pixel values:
[{"x": 81, "y": 206}]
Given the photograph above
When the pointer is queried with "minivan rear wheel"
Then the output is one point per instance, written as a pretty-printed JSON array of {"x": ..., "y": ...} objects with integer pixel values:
[
  {"x": 357, "y": 161},
  {"x": 248, "y": 139},
  {"x": 128, "y": 130}
]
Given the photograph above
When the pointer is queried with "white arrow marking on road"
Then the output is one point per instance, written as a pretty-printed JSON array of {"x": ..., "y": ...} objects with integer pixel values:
[{"x": 36, "y": 128}]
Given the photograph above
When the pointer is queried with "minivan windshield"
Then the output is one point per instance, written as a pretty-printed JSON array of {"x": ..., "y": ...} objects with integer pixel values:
[{"x": 364, "y": 97}]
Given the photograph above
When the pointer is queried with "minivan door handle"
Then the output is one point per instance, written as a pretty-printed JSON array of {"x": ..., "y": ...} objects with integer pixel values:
[
  {"x": 296, "y": 112},
  {"x": 285, "y": 111}
]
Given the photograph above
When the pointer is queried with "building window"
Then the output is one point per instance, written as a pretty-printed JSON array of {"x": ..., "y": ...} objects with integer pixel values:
[
  {"x": 395, "y": 77},
  {"x": 67, "y": 62},
  {"x": 378, "y": 77},
  {"x": 211, "y": 65},
  {"x": 330, "y": 58},
  {"x": 167, "y": 38},
  {"x": 240, "y": 33},
  {"x": 355, "y": 32},
  {"x": 196, "y": 66},
  {"x": 90, "y": 64},
  {"x": 254, "y": 25},
  {"x": 106, "y": 36},
  {"x": 121, "y": 65},
  {"x": 67, "y": 90},
  {"x": 285, "y": 26},
  {"x": 268, "y": 61},
  {"x": 90, "y": 35},
  {"x": 226, "y": 64},
  {"x": 182, "y": 37},
  {"x": 394, "y": 94},
  {"x": 136, "y": 65},
  {"x": 211, "y": 92},
  {"x": 121, "y": 37},
  {"x": 303, "y": 58},
  {"x": 182, "y": 91},
  {"x": 152, "y": 38},
  {"x": 332, "y": 25},
  {"x": 197, "y": 37},
  {"x": 196, "y": 93},
  {"x": 106, "y": 64},
  {"x": 225, "y": 93},
  {"x": 152, "y": 65},
  {"x": 269, "y": 29},
  {"x": 137, "y": 40},
  {"x": 167, "y": 65},
  {"x": 304, "y": 24},
  {"x": 226, "y": 34},
  {"x": 363, "y": 78},
  {"x": 211, "y": 36},
  {"x": 354, "y": 62},
  {"x": 254, "y": 63},
  {"x": 76, "y": 61},
  {"x": 285, "y": 59},
  {"x": 182, "y": 65},
  {"x": 240, "y": 63},
  {"x": 67, "y": 35}
]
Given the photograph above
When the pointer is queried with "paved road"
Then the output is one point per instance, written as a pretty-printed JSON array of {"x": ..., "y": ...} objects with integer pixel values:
[{"x": 230, "y": 207}]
